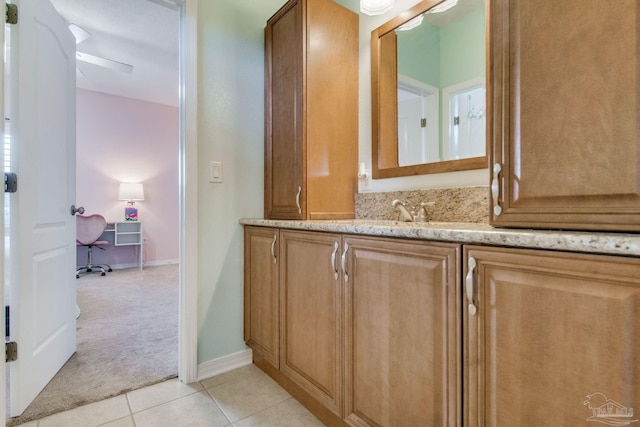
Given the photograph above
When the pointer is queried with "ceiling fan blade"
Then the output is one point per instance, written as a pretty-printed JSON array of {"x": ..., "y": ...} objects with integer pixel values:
[
  {"x": 79, "y": 33},
  {"x": 103, "y": 62}
]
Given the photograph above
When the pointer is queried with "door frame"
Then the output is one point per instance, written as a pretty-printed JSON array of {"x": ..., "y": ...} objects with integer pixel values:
[{"x": 188, "y": 198}]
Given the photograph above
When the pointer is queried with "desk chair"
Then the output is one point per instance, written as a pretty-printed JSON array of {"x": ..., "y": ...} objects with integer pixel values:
[{"x": 88, "y": 231}]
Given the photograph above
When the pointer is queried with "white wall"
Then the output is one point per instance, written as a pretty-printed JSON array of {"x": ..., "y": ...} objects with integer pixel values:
[{"x": 127, "y": 140}]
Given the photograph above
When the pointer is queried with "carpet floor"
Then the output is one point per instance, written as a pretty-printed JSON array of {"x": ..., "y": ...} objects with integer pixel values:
[{"x": 127, "y": 337}]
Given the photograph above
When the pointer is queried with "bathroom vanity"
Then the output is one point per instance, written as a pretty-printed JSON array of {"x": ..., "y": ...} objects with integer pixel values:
[{"x": 380, "y": 323}]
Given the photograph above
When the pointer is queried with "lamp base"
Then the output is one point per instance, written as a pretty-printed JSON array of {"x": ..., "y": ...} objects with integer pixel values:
[{"x": 130, "y": 213}]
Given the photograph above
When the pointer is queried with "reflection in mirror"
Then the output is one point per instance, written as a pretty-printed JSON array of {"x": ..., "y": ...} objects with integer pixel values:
[{"x": 428, "y": 76}]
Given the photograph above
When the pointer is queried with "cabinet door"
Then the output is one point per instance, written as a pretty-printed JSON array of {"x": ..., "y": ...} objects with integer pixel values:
[
  {"x": 261, "y": 331},
  {"x": 554, "y": 340},
  {"x": 310, "y": 315},
  {"x": 402, "y": 333},
  {"x": 284, "y": 184},
  {"x": 564, "y": 96}
]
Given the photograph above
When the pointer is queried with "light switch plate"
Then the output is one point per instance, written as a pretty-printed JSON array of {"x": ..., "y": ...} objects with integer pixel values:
[{"x": 215, "y": 171}]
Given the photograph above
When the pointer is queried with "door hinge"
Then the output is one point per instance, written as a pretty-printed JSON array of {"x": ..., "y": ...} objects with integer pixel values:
[
  {"x": 423, "y": 123},
  {"x": 456, "y": 120},
  {"x": 11, "y": 13},
  {"x": 11, "y": 351},
  {"x": 10, "y": 182}
]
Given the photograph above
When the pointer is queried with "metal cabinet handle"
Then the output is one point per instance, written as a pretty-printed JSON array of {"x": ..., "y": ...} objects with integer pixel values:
[
  {"x": 495, "y": 189},
  {"x": 469, "y": 286},
  {"x": 273, "y": 248},
  {"x": 344, "y": 262},
  {"x": 333, "y": 260},
  {"x": 298, "y": 200}
]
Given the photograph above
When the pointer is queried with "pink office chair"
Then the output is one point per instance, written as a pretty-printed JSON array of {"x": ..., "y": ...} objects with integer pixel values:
[{"x": 88, "y": 231}]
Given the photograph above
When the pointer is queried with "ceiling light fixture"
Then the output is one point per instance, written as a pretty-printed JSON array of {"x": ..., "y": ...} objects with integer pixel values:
[
  {"x": 410, "y": 25},
  {"x": 445, "y": 5},
  {"x": 375, "y": 7}
]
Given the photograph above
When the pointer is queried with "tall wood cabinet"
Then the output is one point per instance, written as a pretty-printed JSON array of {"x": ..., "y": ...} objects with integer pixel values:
[
  {"x": 564, "y": 116},
  {"x": 551, "y": 339},
  {"x": 311, "y": 120}
]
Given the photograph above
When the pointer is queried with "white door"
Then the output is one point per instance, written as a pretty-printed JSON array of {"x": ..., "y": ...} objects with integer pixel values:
[{"x": 41, "y": 108}]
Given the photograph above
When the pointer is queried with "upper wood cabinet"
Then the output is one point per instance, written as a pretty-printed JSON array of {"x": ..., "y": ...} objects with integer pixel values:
[
  {"x": 564, "y": 116},
  {"x": 552, "y": 339},
  {"x": 311, "y": 111}
]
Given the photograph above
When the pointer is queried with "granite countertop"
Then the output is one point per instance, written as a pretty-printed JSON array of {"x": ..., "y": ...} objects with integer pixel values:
[{"x": 471, "y": 233}]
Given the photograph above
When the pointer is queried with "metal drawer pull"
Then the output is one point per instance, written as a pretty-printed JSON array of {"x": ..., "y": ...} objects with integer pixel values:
[
  {"x": 344, "y": 262},
  {"x": 495, "y": 189},
  {"x": 273, "y": 248},
  {"x": 469, "y": 286},
  {"x": 333, "y": 260},
  {"x": 298, "y": 200}
]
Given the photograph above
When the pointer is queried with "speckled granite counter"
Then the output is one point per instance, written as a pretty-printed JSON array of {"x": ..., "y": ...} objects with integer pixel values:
[{"x": 472, "y": 233}]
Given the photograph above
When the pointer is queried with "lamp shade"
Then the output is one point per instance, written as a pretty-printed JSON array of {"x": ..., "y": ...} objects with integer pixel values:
[
  {"x": 375, "y": 7},
  {"x": 131, "y": 191}
]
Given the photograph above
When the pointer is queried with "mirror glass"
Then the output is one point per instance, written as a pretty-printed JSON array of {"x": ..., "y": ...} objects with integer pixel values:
[{"x": 428, "y": 93}]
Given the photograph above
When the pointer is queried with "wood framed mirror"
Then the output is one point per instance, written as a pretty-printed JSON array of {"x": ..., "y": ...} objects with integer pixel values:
[{"x": 429, "y": 86}]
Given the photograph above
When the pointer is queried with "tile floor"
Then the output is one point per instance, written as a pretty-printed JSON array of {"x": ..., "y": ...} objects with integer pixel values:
[{"x": 245, "y": 397}]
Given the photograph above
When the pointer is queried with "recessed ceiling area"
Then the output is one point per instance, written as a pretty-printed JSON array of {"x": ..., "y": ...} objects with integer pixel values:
[{"x": 140, "y": 33}]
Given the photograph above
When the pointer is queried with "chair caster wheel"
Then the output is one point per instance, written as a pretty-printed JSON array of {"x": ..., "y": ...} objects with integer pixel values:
[
  {"x": 77, "y": 276},
  {"x": 103, "y": 274},
  {"x": 110, "y": 270},
  {"x": 89, "y": 270}
]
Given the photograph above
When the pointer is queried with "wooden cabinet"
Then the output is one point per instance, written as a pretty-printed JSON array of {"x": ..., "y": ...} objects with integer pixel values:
[
  {"x": 311, "y": 315},
  {"x": 402, "y": 333},
  {"x": 311, "y": 120},
  {"x": 564, "y": 124},
  {"x": 261, "y": 295},
  {"x": 554, "y": 341},
  {"x": 368, "y": 327}
]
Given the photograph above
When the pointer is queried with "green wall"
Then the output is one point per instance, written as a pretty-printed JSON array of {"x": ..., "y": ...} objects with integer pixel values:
[
  {"x": 231, "y": 130},
  {"x": 444, "y": 56},
  {"x": 462, "y": 47},
  {"x": 419, "y": 51}
]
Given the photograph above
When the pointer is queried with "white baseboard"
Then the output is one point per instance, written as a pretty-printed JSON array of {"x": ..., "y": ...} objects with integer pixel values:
[
  {"x": 161, "y": 262},
  {"x": 223, "y": 364}
]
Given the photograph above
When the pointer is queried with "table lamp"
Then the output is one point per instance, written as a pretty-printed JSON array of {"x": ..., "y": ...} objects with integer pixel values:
[{"x": 131, "y": 191}]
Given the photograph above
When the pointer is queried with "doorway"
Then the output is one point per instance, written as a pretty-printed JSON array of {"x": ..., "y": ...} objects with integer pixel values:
[{"x": 187, "y": 323}]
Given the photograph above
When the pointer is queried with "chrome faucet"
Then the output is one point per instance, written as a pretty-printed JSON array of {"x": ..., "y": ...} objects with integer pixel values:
[
  {"x": 404, "y": 214},
  {"x": 422, "y": 212}
]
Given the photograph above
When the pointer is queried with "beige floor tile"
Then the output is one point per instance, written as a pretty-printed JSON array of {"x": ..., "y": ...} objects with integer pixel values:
[
  {"x": 123, "y": 422},
  {"x": 31, "y": 424},
  {"x": 91, "y": 415},
  {"x": 195, "y": 410},
  {"x": 289, "y": 413},
  {"x": 158, "y": 394},
  {"x": 250, "y": 391},
  {"x": 246, "y": 373}
]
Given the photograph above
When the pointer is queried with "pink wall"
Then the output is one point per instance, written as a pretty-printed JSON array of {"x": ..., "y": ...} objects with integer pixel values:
[{"x": 127, "y": 140}]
